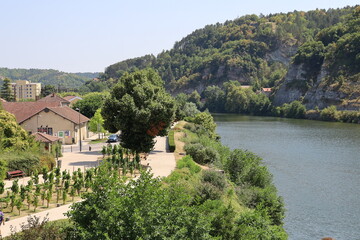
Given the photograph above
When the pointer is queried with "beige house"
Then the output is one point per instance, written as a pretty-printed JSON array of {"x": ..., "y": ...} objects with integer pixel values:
[
  {"x": 51, "y": 118},
  {"x": 26, "y": 90}
]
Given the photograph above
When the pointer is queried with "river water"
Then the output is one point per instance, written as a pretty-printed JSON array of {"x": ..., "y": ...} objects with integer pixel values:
[{"x": 316, "y": 169}]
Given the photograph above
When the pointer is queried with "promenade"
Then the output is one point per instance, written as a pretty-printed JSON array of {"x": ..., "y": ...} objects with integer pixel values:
[{"x": 161, "y": 162}]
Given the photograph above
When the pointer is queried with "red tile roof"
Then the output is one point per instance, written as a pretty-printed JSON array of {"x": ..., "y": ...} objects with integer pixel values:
[
  {"x": 53, "y": 98},
  {"x": 26, "y": 110},
  {"x": 69, "y": 114},
  {"x": 43, "y": 137},
  {"x": 266, "y": 89}
]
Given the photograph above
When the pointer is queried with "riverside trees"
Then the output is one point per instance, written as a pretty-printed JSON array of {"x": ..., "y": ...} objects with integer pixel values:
[{"x": 140, "y": 108}]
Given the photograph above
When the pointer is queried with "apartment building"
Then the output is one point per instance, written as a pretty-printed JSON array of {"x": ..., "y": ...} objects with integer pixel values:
[{"x": 26, "y": 90}]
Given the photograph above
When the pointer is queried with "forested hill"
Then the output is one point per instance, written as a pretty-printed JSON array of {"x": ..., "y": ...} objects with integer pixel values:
[
  {"x": 48, "y": 77},
  {"x": 253, "y": 50}
]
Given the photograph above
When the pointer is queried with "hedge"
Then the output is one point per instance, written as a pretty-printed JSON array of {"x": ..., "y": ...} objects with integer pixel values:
[{"x": 171, "y": 140}]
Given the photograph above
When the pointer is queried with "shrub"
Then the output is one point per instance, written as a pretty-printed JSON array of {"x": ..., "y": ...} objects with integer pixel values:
[
  {"x": 215, "y": 178},
  {"x": 245, "y": 167},
  {"x": 329, "y": 114},
  {"x": 47, "y": 160},
  {"x": 187, "y": 162},
  {"x": 350, "y": 116},
  {"x": 207, "y": 191},
  {"x": 171, "y": 140},
  {"x": 201, "y": 154},
  {"x": 27, "y": 162}
]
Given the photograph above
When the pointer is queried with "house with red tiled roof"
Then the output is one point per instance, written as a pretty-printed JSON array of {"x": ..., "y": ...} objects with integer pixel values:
[
  {"x": 50, "y": 117},
  {"x": 54, "y": 98},
  {"x": 266, "y": 91}
]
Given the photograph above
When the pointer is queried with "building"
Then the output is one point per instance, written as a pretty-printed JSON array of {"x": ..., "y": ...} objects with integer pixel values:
[
  {"x": 51, "y": 118},
  {"x": 266, "y": 91},
  {"x": 72, "y": 99},
  {"x": 26, "y": 90},
  {"x": 51, "y": 98},
  {"x": 46, "y": 139}
]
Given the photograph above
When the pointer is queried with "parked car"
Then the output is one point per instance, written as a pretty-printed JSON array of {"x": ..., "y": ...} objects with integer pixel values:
[{"x": 113, "y": 138}]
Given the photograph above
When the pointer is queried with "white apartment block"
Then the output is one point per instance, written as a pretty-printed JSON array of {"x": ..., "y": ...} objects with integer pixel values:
[{"x": 26, "y": 90}]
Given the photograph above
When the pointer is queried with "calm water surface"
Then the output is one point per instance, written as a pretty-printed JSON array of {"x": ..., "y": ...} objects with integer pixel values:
[{"x": 316, "y": 168}]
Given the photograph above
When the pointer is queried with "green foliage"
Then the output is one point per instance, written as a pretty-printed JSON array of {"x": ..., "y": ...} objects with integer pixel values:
[
  {"x": 293, "y": 110},
  {"x": 240, "y": 100},
  {"x": 245, "y": 167},
  {"x": 329, "y": 114},
  {"x": 90, "y": 103},
  {"x": 202, "y": 154},
  {"x": 12, "y": 136},
  {"x": 207, "y": 121},
  {"x": 48, "y": 77},
  {"x": 187, "y": 162},
  {"x": 171, "y": 141},
  {"x": 140, "y": 209},
  {"x": 6, "y": 91},
  {"x": 96, "y": 122},
  {"x": 214, "y": 99},
  {"x": 140, "y": 107}
]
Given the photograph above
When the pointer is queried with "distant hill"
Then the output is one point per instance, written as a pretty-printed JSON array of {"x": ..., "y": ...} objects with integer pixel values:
[
  {"x": 49, "y": 77},
  {"x": 259, "y": 51}
]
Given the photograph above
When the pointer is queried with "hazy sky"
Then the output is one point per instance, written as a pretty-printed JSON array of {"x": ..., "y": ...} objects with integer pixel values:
[{"x": 89, "y": 35}]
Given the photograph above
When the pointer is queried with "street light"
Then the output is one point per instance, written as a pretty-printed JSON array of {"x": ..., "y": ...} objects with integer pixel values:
[{"x": 78, "y": 109}]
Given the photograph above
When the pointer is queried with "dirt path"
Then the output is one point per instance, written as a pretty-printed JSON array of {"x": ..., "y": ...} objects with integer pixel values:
[{"x": 160, "y": 161}]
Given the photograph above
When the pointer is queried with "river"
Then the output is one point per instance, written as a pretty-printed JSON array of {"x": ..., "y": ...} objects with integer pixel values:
[{"x": 316, "y": 169}]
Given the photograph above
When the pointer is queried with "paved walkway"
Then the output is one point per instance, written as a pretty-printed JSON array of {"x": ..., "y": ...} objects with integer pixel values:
[{"x": 160, "y": 161}]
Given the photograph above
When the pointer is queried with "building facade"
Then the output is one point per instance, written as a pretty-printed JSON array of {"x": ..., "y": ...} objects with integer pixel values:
[{"x": 26, "y": 90}]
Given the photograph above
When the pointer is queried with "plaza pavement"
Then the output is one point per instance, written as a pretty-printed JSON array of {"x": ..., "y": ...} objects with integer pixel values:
[{"x": 160, "y": 161}]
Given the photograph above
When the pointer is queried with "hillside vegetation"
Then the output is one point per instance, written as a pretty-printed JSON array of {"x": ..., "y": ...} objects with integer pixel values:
[
  {"x": 251, "y": 49},
  {"x": 48, "y": 77},
  {"x": 264, "y": 51}
]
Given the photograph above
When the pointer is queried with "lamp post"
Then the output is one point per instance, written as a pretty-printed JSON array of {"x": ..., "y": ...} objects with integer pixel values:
[{"x": 78, "y": 109}]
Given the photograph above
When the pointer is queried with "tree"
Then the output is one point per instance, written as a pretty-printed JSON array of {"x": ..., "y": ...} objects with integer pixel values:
[
  {"x": 6, "y": 91},
  {"x": 90, "y": 103},
  {"x": 214, "y": 99},
  {"x": 139, "y": 209},
  {"x": 140, "y": 108},
  {"x": 96, "y": 123},
  {"x": 47, "y": 90},
  {"x": 207, "y": 121}
]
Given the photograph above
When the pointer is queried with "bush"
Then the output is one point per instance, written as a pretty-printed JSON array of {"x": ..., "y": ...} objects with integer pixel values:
[
  {"x": 329, "y": 114},
  {"x": 215, "y": 178},
  {"x": 201, "y": 154},
  {"x": 244, "y": 167},
  {"x": 26, "y": 162},
  {"x": 207, "y": 191},
  {"x": 350, "y": 116},
  {"x": 171, "y": 140},
  {"x": 187, "y": 162}
]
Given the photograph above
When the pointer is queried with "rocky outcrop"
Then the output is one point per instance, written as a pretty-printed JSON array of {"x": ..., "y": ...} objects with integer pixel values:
[{"x": 319, "y": 94}]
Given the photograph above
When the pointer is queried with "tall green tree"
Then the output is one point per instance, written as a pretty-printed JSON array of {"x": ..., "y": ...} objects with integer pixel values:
[
  {"x": 90, "y": 103},
  {"x": 140, "y": 108},
  {"x": 6, "y": 91},
  {"x": 96, "y": 123}
]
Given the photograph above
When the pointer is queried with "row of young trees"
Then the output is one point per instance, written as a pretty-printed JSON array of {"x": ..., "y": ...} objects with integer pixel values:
[{"x": 60, "y": 185}]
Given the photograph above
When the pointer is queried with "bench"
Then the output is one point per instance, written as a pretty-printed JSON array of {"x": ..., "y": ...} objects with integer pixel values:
[{"x": 16, "y": 173}]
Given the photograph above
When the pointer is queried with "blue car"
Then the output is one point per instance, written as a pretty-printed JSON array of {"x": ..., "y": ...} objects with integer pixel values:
[{"x": 113, "y": 138}]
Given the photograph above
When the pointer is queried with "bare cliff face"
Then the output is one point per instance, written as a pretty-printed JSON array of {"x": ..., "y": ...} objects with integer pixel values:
[{"x": 320, "y": 93}]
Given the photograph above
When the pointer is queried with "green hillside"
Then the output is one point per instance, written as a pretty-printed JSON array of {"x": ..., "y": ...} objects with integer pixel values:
[
  {"x": 253, "y": 50},
  {"x": 48, "y": 77}
]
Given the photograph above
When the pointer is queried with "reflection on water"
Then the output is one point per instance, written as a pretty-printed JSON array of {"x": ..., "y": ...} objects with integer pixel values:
[{"x": 316, "y": 168}]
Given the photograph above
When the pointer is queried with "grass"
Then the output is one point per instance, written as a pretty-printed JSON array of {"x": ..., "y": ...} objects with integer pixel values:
[{"x": 98, "y": 141}]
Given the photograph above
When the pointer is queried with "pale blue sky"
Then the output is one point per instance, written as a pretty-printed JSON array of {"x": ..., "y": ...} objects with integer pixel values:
[{"x": 89, "y": 35}]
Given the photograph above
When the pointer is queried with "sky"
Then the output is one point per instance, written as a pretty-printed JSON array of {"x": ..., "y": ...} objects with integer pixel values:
[{"x": 89, "y": 35}]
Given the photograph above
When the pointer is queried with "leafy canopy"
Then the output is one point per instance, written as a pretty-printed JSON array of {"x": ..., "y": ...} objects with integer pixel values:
[{"x": 140, "y": 108}]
